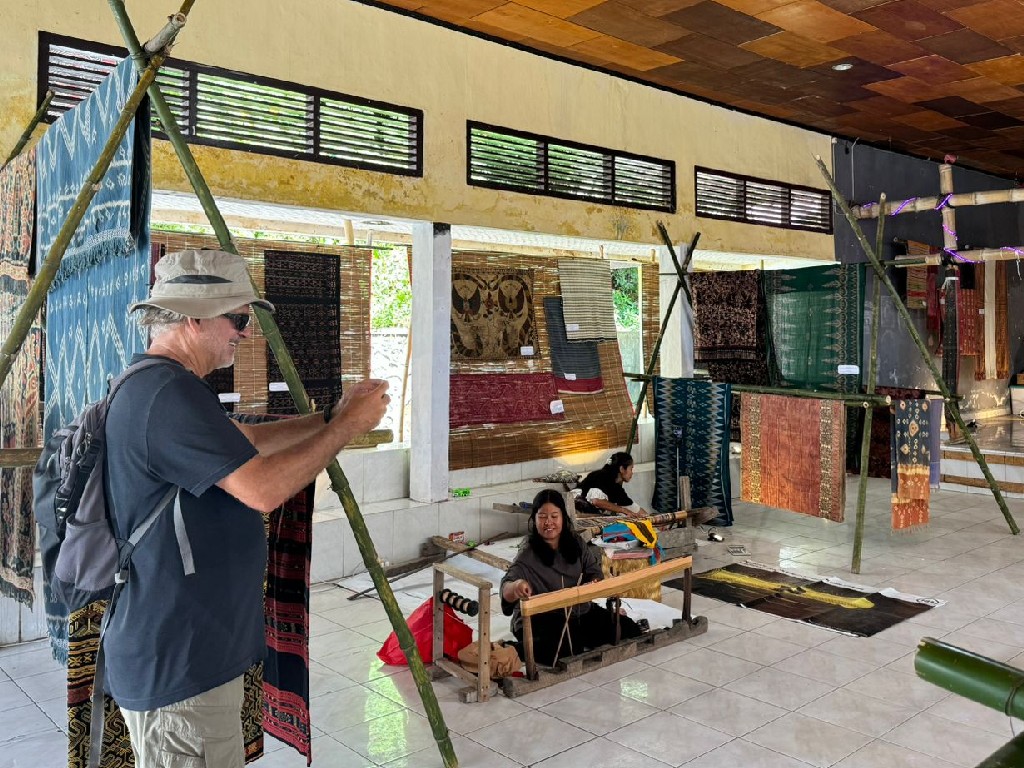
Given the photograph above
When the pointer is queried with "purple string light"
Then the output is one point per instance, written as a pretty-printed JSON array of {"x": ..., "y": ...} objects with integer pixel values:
[
  {"x": 903, "y": 205},
  {"x": 1010, "y": 248},
  {"x": 945, "y": 201}
]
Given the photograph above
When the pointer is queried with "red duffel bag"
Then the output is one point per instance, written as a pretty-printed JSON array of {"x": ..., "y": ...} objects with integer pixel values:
[{"x": 457, "y": 635}]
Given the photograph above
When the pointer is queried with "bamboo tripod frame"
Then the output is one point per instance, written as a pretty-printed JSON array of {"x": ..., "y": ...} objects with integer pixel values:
[
  {"x": 148, "y": 66},
  {"x": 952, "y": 405}
]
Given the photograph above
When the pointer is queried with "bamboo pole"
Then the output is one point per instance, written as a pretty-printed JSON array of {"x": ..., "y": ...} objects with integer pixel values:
[
  {"x": 339, "y": 483},
  {"x": 27, "y": 133},
  {"x": 951, "y": 402},
  {"x": 865, "y": 437},
  {"x": 968, "y": 674},
  {"x": 680, "y": 285},
  {"x": 919, "y": 204},
  {"x": 813, "y": 394},
  {"x": 12, "y": 458},
  {"x": 48, "y": 269}
]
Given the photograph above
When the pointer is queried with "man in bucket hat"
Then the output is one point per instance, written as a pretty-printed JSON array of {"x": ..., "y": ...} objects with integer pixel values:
[{"x": 189, "y": 622}]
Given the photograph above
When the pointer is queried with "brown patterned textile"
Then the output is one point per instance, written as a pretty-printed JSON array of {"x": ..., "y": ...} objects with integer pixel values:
[
  {"x": 1002, "y": 326},
  {"x": 794, "y": 454},
  {"x": 983, "y": 321},
  {"x": 967, "y": 319},
  {"x": 492, "y": 315},
  {"x": 727, "y": 309},
  {"x": 917, "y": 287},
  {"x": 19, "y": 396}
]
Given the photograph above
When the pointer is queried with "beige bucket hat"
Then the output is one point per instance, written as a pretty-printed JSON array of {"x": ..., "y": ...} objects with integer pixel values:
[{"x": 201, "y": 284}]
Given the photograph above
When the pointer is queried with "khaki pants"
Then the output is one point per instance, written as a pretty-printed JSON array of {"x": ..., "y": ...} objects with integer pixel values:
[{"x": 202, "y": 732}]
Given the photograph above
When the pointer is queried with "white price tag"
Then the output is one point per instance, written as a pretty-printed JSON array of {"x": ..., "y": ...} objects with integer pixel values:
[
  {"x": 849, "y": 369},
  {"x": 981, "y": 310},
  {"x": 526, "y": 351},
  {"x": 572, "y": 326},
  {"x": 230, "y": 397},
  {"x": 557, "y": 406},
  {"x": 570, "y": 377},
  {"x": 278, "y": 386}
]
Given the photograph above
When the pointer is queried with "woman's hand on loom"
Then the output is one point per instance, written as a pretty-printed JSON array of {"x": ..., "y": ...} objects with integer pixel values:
[{"x": 519, "y": 589}]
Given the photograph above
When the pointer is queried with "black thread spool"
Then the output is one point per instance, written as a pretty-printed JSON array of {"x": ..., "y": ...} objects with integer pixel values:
[{"x": 458, "y": 602}]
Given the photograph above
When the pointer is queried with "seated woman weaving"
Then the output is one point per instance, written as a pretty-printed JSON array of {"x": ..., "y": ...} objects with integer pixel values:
[
  {"x": 554, "y": 557},
  {"x": 603, "y": 489}
]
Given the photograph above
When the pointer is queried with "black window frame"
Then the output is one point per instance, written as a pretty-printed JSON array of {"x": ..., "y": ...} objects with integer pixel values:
[
  {"x": 543, "y": 164},
  {"x": 315, "y": 95},
  {"x": 781, "y": 185}
]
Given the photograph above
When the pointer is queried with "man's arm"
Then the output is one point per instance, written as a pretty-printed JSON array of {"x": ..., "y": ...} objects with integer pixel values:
[
  {"x": 268, "y": 480},
  {"x": 280, "y": 434}
]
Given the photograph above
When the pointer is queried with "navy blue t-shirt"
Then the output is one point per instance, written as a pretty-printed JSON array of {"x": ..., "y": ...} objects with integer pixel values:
[{"x": 174, "y": 636}]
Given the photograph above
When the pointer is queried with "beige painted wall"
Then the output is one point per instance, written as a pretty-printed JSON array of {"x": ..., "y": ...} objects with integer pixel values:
[{"x": 351, "y": 48}]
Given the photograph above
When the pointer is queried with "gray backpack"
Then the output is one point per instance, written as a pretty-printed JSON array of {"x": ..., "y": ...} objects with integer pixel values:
[{"x": 83, "y": 558}]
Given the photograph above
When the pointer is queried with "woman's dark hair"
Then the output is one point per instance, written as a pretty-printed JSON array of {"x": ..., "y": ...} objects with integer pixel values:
[
  {"x": 607, "y": 474},
  {"x": 568, "y": 542}
]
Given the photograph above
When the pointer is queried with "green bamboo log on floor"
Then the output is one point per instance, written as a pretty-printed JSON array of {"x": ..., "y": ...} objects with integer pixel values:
[
  {"x": 37, "y": 118},
  {"x": 865, "y": 438},
  {"x": 51, "y": 263},
  {"x": 951, "y": 402},
  {"x": 980, "y": 679},
  {"x": 680, "y": 286},
  {"x": 339, "y": 483}
]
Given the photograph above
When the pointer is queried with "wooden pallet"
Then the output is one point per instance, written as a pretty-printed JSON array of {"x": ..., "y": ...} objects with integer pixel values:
[{"x": 589, "y": 661}]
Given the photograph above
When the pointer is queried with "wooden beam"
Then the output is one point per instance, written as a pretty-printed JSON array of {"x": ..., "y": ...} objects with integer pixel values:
[
  {"x": 616, "y": 585},
  {"x": 19, "y": 457},
  {"x": 919, "y": 204},
  {"x": 461, "y": 549}
]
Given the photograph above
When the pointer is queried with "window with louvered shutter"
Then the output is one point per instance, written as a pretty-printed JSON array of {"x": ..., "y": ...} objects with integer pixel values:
[
  {"x": 235, "y": 110},
  {"x": 722, "y": 195},
  {"x": 500, "y": 158}
]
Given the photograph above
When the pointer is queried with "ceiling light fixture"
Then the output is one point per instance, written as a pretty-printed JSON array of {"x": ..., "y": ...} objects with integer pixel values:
[{"x": 842, "y": 67}]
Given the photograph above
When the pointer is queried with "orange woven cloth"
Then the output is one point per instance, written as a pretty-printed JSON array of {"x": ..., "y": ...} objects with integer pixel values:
[{"x": 794, "y": 454}]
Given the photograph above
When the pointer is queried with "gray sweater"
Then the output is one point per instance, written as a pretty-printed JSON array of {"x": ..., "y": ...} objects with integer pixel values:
[{"x": 543, "y": 578}]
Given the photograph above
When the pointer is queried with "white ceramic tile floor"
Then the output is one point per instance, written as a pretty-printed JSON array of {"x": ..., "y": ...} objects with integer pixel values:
[{"x": 755, "y": 691}]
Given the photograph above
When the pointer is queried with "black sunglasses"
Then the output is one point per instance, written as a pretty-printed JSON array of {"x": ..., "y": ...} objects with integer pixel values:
[{"x": 241, "y": 322}]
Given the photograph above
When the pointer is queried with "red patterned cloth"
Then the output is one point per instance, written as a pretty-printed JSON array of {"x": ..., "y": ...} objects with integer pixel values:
[
  {"x": 794, "y": 454},
  {"x": 502, "y": 398}
]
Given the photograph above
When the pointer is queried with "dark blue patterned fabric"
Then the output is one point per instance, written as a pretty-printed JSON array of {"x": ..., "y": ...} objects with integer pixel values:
[{"x": 691, "y": 437}]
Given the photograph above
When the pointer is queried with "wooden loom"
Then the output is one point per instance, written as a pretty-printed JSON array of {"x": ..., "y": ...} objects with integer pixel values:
[{"x": 482, "y": 688}]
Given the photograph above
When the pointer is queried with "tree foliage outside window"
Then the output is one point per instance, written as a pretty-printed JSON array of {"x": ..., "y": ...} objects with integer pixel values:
[
  {"x": 626, "y": 297},
  {"x": 390, "y": 293}
]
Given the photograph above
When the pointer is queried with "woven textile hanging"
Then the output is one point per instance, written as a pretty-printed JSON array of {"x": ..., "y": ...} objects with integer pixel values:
[
  {"x": 586, "y": 286},
  {"x": 727, "y": 310},
  {"x": 911, "y": 460},
  {"x": 794, "y": 454},
  {"x": 305, "y": 288},
  {"x": 492, "y": 315},
  {"x": 815, "y": 316},
  {"x": 575, "y": 364},
  {"x": 1002, "y": 330},
  {"x": 691, "y": 437},
  {"x": 89, "y": 334},
  {"x": 503, "y": 398},
  {"x": 276, "y": 698},
  {"x": 967, "y": 317},
  {"x": 19, "y": 396}
]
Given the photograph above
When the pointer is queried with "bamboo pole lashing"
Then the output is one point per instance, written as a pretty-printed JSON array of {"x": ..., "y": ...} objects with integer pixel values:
[
  {"x": 339, "y": 483},
  {"x": 873, "y": 258}
]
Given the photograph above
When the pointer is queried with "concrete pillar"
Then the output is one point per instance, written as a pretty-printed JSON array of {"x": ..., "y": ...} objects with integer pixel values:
[
  {"x": 431, "y": 360},
  {"x": 677, "y": 345}
]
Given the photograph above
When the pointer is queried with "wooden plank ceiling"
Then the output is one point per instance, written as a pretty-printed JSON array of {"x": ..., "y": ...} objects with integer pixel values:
[{"x": 930, "y": 77}]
